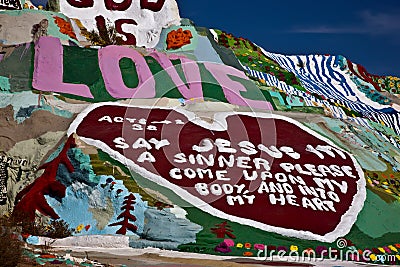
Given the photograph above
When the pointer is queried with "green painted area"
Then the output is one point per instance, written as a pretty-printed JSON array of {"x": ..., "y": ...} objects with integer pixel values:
[
  {"x": 363, "y": 241},
  {"x": 386, "y": 130},
  {"x": 18, "y": 67},
  {"x": 282, "y": 104},
  {"x": 212, "y": 91},
  {"x": 381, "y": 146},
  {"x": 349, "y": 140},
  {"x": 369, "y": 218},
  {"x": 253, "y": 91},
  {"x": 165, "y": 87},
  {"x": 378, "y": 217},
  {"x": 103, "y": 164},
  {"x": 294, "y": 101},
  {"x": 250, "y": 55},
  {"x": 207, "y": 240},
  {"x": 4, "y": 84},
  {"x": 81, "y": 66},
  {"x": 85, "y": 165},
  {"x": 279, "y": 101}
]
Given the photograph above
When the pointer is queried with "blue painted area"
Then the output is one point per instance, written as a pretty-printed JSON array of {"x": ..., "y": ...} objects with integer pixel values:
[
  {"x": 341, "y": 62},
  {"x": 18, "y": 100},
  {"x": 90, "y": 198},
  {"x": 55, "y": 153},
  {"x": 83, "y": 171},
  {"x": 205, "y": 52},
  {"x": 32, "y": 240},
  {"x": 280, "y": 98},
  {"x": 82, "y": 200},
  {"x": 25, "y": 113},
  {"x": 370, "y": 92},
  {"x": 334, "y": 125},
  {"x": 366, "y": 158},
  {"x": 25, "y": 103},
  {"x": 84, "y": 164},
  {"x": 5, "y": 84},
  {"x": 294, "y": 101},
  {"x": 39, "y": 2}
]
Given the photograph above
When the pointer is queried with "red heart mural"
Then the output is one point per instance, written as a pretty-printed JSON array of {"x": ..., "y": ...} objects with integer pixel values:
[
  {"x": 257, "y": 169},
  {"x": 151, "y": 5}
]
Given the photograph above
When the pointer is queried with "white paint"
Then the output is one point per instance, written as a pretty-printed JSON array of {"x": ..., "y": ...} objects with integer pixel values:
[
  {"x": 92, "y": 241},
  {"x": 150, "y": 23}
]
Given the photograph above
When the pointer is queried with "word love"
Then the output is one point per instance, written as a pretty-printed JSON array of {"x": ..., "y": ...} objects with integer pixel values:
[{"x": 48, "y": 76}]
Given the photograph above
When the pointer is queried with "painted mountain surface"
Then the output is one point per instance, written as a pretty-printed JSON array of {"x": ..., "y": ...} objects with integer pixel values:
[{"x": 122, "y": 118}]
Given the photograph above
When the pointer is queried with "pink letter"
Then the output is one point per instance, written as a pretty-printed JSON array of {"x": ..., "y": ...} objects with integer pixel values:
[
  {"x": 109, "y": 58},
  {"x": 191, "y": 71},
  {"x": 232, "y": 88},
  {"x": 48, "y": 73}
]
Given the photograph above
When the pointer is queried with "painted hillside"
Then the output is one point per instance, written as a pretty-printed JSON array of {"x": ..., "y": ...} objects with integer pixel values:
[{"x": 124, "y": 119}]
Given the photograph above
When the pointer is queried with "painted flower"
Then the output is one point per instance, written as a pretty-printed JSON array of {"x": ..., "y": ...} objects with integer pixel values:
[
  {"x": 321, "y": 249},
  {"x": 282, "y": 248},
  {"x": 376, "y": 251},
  {"x": 387, "y": 250},
  {"x": 382, "y": 250},
  {"x": 247, "y": 245},
  {"x": 79, "y": 228},
  {"x": 239, "y": 245},
  {"x": 373, "y": 257},
  {"x": 248, "y": 254},
  {"x": 222, "y": 248},
  {"x": 229, "y": 242},
  {"x": 294, "y": 248},
  {"x": 259, "y": 246},
  {"x": 308, "y": 251}
]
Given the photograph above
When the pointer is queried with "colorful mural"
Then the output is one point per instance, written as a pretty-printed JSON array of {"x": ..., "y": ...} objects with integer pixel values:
[
  {"x": 139, "y": 22},
  {"x": 119, "y": 118}
]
